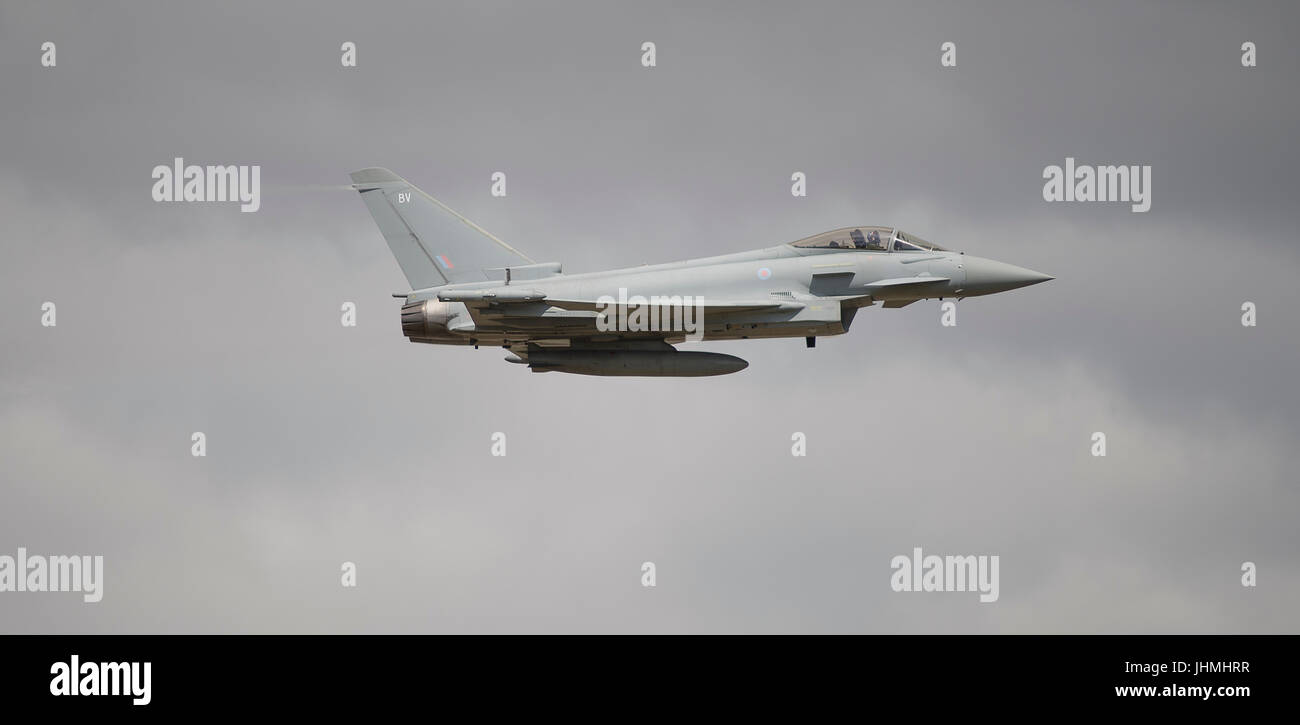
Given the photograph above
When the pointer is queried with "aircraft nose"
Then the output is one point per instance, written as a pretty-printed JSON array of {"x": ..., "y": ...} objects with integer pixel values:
[{"x": 986, "y": 276}]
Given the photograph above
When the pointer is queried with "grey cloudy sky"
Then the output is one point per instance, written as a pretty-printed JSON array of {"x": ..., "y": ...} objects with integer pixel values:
[{"x": 328, "y": 444}]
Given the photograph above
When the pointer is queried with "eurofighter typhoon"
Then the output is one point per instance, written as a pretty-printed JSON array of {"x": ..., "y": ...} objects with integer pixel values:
[{"x": 470, "y": 288}]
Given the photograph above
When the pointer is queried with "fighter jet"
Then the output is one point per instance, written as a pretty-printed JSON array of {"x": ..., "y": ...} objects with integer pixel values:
[{"x": 470, "y": 288}]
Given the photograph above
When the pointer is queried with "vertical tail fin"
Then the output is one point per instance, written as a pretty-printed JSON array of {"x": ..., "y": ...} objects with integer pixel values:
[{"x": 433, "y": 244}]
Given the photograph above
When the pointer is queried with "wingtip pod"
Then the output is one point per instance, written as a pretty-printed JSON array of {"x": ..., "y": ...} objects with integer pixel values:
[{"x": 374, "y": 176}]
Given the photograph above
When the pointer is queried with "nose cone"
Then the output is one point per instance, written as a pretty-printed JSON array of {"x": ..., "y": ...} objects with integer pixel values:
[{"x": 987, "y": 276}]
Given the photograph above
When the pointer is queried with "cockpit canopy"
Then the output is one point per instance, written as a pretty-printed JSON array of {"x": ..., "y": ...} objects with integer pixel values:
[{"x": 871, "y": 239}]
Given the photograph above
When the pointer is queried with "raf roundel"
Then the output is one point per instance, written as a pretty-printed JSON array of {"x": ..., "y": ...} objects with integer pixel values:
[{"x": 764, "y": 273}]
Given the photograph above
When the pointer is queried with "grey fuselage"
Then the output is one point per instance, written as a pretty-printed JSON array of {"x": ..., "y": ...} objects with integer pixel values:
[{"x": 807, "y": 293}]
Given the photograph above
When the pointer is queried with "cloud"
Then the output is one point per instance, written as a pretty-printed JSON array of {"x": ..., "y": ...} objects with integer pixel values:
[{"x": 329, "y": 444}]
